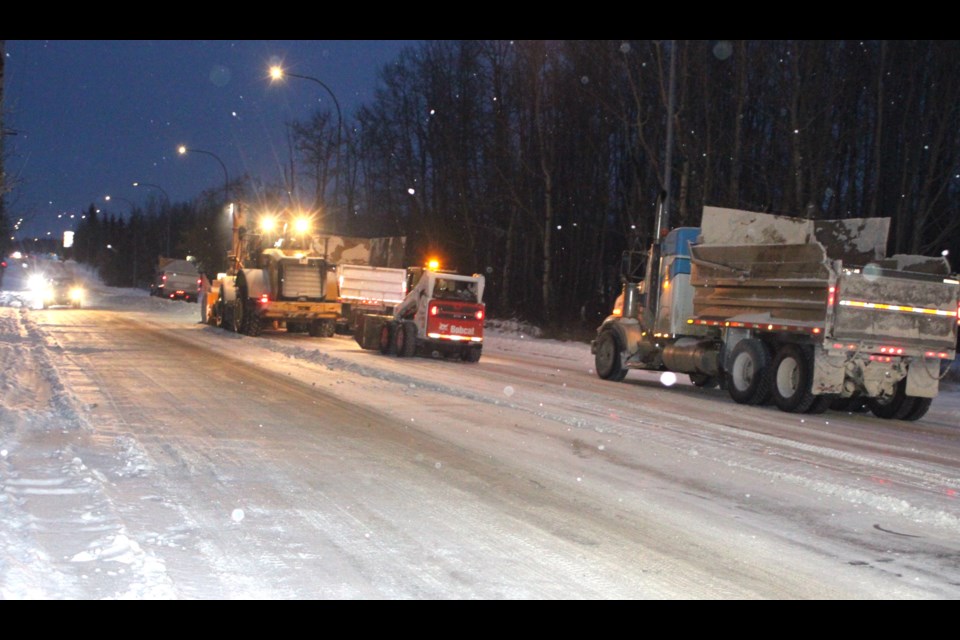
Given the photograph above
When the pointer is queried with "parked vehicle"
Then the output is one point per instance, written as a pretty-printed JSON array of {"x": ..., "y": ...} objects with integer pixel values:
[
  {"x": 808, "y": 314},
  {"x": 176, "y": 279}
]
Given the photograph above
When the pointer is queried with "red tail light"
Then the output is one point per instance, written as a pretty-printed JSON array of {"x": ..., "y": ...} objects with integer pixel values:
[
  {"x": 434, "y": 309},
  {"x": 479, "y": 314},
  {"x": 264, "y": 299}
]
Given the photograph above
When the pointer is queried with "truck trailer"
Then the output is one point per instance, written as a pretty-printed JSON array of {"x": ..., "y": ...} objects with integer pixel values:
[{"x": 806, "y": 314}]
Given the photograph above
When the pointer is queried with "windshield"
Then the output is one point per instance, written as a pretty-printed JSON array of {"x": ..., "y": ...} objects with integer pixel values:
[{"x": 449, "y": 289}]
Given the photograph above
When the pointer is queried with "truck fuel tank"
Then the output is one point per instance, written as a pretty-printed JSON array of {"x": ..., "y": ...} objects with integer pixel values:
[{"x": 691, "y": 355}]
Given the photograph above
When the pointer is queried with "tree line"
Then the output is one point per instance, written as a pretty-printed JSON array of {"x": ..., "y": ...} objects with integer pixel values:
[{"x": 537, "y": 163}]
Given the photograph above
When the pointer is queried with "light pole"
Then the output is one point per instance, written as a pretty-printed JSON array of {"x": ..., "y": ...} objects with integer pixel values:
[
  {"x": 277, "y": 73},
  {"x": 183, "y": 149},
  {"x": 155, "y": 186},
  {"x": 166, "y": 213},
  {"x": 133, "y": 240},
  {"x": 108, "y": 198}
]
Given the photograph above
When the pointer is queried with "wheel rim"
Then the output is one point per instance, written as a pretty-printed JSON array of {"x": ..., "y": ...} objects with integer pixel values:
[
  {"x": 605, "y": 354},
  {"x": 742, "y": 372},
  {"x": 788, "y": 377}
]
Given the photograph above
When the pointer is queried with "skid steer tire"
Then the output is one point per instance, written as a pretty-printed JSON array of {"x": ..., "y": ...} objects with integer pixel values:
[
  {"x": 386, "y": 339},
  {"x": 405, "y": 339}
]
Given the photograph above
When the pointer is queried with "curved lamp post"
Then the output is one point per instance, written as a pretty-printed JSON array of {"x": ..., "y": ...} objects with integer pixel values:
[
  {"x": 155, "y": 186},
  {"x": 108, "y": 198},
  {"x": 166, "y": 213},
  {"x": 277, "y": 73},
  {"x": 183, "y": 150},
  {"x": 134, "y": 243}
]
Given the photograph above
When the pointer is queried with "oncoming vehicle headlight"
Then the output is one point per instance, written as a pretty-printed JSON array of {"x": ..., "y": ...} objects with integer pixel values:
[
  {"x": 36, "y": 282},
  {"x": 76, "y": 294}
]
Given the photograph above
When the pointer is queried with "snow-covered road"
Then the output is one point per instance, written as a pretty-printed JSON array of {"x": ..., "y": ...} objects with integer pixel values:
[{"x": 145, "y": 455}]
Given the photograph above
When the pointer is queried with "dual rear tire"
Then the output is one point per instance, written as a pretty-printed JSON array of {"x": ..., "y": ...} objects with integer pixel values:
[
  {"x": 756, "y": 376},
  {"x": 748, "y": 373},
  {"x": 899, "y": 406}
]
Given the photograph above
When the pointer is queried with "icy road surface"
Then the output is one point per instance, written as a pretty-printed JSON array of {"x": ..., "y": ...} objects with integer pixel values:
[{"x": 144, "y": 455}]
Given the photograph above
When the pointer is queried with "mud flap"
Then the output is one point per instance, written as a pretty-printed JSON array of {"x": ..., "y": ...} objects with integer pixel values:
[
  {"x": 828, "y": 372},
  {"x": 923, "y": 378}
]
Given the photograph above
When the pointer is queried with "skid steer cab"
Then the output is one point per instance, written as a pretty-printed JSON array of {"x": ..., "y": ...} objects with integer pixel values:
[{"x": 442, "y": 316}]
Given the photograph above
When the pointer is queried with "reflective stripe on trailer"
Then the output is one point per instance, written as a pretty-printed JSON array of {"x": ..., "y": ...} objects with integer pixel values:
[
  {"x": 897, "y": 307},
  {"x": 763, "y": 326}
]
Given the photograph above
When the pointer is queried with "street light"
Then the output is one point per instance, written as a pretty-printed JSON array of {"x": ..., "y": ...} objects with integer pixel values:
[
  {"x": 155, "y": 186},
  {"x": 277, "y": 73},
  {"x": 166, "y": 213},
  {"x": 109, "y": 198},
  {"x": 183, "y": 149},
  {"x": 133, "y": 240}
]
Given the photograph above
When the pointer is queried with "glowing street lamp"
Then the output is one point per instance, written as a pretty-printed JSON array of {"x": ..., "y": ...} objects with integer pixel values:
[
  {"x": 108, "y": 198},
  {"x": 155, "y": 186},
  {"x": 183, "y": 150},
  {"x": 277, "y": 73}
]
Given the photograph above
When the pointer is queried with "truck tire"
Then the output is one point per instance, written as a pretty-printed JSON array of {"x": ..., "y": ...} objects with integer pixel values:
[
  {"x": 328, "y": 328},
  {"x": 821, "y": 403},
  {"x": 471, "y": 354},
  {"x": 895, "y": 407},
  {"x": 252, "y": 320},
  {"x": 239, "y": 315},
  {"x": 748, "y": 376},
  {"x": 386, "y": 339},
  {"x": 227, "y": 322},
  {"x": 792, "y": 373},
  {"x": 607, "y": 360},
  {"x": 703, "y": 380},
  {"x": 920, "y": 408},
  {"x": 852, "y": 404},
  {"x": 405, "y": 339}
]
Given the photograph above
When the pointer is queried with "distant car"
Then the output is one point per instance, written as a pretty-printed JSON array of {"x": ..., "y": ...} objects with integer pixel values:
[
  {"x": 57, "y": 289},
  {"x": 177, "y": 280}
]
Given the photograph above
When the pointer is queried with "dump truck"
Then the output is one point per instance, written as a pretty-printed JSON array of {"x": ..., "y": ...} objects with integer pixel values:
[
  {"x": 807, "y": 314},
  {"x": 366, "y": 289},
  {"x": 442, "y": 315}
]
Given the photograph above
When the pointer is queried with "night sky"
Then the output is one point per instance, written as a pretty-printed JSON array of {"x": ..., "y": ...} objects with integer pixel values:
[{"x": 93, "y": 116}]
